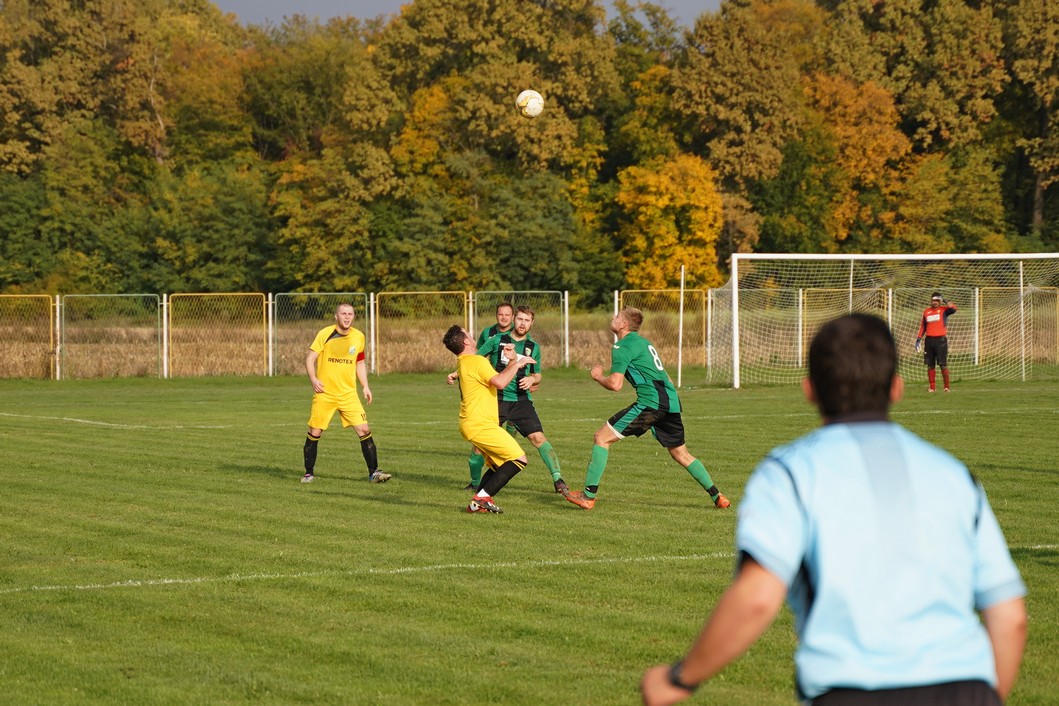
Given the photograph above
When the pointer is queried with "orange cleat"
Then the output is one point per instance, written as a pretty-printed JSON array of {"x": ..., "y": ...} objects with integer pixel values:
[
  {"x": 721, "y": 502},
  {"x": 581, "y": 500}
]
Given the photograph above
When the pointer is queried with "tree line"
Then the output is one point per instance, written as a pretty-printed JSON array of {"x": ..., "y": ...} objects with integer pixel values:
[{"x": 158, "y": 145}]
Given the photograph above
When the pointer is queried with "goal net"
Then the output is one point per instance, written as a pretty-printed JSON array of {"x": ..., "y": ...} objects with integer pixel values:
[{"x": 1006, "y": 326}]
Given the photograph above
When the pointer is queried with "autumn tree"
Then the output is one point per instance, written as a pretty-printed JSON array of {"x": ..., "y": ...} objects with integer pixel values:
[
  {"x": 738, "y": 88},
  {"x": 673, "y": 218}
]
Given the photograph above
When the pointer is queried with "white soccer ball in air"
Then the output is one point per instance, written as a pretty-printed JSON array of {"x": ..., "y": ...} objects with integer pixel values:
[{"x": 530, "y": 103}]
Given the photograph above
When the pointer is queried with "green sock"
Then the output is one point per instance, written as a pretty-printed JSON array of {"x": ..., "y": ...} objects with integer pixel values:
[
  {"x": 596, "y": 466},
  {"x": 476, "y": 462},
  {"x": 551, "y": 460},
  {"x": 698, "y": 472}
]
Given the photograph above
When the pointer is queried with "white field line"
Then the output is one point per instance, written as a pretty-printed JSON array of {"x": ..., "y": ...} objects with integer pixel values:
[
  {"x": 897, "y": 414},
  {"x": 115, "y": 425},
  {"x": 492, "y": 566}
]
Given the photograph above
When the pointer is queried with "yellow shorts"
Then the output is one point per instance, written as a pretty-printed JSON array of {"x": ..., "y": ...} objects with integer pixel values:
[
  {"x": 496, "y": 445},
  {"x": 325, "y": 406}
]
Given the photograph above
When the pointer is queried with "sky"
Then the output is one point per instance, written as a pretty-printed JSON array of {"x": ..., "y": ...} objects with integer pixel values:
[{"x": 258, "y": 11}]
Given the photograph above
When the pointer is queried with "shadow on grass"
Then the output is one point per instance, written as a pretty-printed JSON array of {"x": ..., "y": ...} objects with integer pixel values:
[
  {"x": 274, "y": 471},
  {"x": 1041, "y": 556}
]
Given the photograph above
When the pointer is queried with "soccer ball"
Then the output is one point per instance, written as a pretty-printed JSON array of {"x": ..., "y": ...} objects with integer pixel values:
[{"x": 529, "y": 103}]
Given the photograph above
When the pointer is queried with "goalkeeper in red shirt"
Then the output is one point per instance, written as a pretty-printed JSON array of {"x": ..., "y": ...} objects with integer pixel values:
[{"x": 936, "y": 348}]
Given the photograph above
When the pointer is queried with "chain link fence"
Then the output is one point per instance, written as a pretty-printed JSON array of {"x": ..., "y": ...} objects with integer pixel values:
[
  {"x": 87, "y": 335},
  {"x": 409, "y": 327},
  {"x": 27, "y": 336},
  {"x": 218, "y": 334},
  {"x": 111, "y": 335}
]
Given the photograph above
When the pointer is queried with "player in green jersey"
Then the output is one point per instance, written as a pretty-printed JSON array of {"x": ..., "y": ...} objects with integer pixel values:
[
  {"x": 657, "y": 408},
  {"x": 515, "y": 400},
  {"x": 505, "y": 313}
]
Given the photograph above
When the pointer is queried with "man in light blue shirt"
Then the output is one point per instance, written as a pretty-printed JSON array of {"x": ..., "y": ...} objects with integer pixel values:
[{"x": 884, "y": 545}]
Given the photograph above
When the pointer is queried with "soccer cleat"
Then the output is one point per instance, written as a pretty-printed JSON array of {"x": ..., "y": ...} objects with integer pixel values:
[
  {"x": 946, "y": 389},
  {"x": 932, "y": 389},
  {"x": 581, "y": 500},
  {"x": 561, "y": 487},
  {"x": 483, "y": 505},
  {"x": 721, "y": 502},
  {"x": 379, "y": 477},
  {"x": 472, "y": 487},
  {"x": 308, "y": 478}
]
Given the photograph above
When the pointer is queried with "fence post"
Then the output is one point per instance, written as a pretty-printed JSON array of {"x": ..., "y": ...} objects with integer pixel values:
[
  {"x": 566, "y": 328},
  {"x": 270, "y": 335},
  {"x": 372, "y": 335},
  {"x": 58, "y": 333},
  {"x": 165, "y": 336}
]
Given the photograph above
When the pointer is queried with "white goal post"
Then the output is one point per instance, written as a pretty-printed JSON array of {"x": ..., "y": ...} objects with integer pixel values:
[{"x": 1006, "y": 325}]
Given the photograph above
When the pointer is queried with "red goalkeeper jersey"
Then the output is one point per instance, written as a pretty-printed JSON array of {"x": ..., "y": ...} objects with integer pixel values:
[{"x": 933, "y": 323}]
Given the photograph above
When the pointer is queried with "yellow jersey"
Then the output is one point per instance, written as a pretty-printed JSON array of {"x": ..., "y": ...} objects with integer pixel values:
[
  {"x": 337, "y": 358},
  {"x": 478, "y": 406}
]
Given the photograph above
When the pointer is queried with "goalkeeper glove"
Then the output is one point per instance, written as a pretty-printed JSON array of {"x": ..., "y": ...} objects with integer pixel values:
[{"x": 919, "y": 342}]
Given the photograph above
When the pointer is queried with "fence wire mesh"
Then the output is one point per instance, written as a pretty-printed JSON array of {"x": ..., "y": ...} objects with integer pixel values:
[
  {"x": 111, "y": 335},
  {"x": 409, "y": 327},
  {"x": 218, "y": 334},
  {"x": 27, "y": 336}
]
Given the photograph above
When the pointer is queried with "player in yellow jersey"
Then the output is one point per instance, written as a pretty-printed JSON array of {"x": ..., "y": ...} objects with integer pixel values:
[
  {"x": 334, "y": 363},
  {"x": 479, "y": 415}
]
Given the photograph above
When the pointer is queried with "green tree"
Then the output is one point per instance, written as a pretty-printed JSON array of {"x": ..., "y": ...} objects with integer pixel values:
[
  {"x": 1034, "y": 51},
  {"x": 25, "y": 255}
]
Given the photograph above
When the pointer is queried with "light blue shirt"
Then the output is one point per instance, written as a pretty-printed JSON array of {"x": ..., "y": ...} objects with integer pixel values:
[{"x": 888, "y": 546}]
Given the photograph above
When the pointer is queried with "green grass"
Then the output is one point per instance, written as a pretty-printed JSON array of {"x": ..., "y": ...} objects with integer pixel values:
[{"x": 158, "y": 547}]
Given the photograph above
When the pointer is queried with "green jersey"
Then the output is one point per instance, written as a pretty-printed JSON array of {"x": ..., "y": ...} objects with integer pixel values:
[
  {"x": 492, "y": 349},
  {"x": 488, "y": 333},
  {"x": 638, "y": 361}
]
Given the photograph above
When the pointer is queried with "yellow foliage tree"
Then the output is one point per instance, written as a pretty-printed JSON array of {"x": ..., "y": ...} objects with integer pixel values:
[{"x": 672, "y": 217}]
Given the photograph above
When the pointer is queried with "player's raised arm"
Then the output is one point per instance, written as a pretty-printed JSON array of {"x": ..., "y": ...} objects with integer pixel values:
[
  {"x": 517, "y": 362},
  {"x": 613, "y": 382}
]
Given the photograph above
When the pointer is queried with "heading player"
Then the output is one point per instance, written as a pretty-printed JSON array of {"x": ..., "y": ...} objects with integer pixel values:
[{"x": 479, "y": 418}]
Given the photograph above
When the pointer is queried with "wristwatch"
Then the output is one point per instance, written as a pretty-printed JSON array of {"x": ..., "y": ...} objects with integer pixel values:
[{"x": 674, "y": 677}]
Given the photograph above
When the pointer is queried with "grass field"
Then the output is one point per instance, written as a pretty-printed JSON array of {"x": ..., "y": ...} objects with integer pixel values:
[{"x": 158, "y": 547}]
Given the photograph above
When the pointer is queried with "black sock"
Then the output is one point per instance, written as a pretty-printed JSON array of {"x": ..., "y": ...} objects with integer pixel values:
[
  {"x": 493, "y": 484},
  {"x": 309, "y": 452},
  {"x": 371, "y": 456}
]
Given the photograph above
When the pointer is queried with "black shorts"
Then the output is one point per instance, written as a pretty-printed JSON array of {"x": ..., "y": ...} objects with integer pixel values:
[
  {"x": 936, "y": 351},
  {"x": 522, "y": 415},
  {"x": 957, "y": 693},
  {"x": 635, "y": 420}
]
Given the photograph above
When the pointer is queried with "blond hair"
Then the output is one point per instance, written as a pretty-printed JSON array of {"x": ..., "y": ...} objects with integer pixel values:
[{"x": 634, "y": 317}]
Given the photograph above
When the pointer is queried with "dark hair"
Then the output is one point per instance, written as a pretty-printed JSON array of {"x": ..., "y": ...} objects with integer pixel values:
[
  {"x": 524, "y": 309},
  {"x": 453, "y": 339},
  {"x": 936, "y": 295},
  {"x": 852, "y": 362},
  {"x": 634, "y": 316},
  {"x": 501, "y": 305}
]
